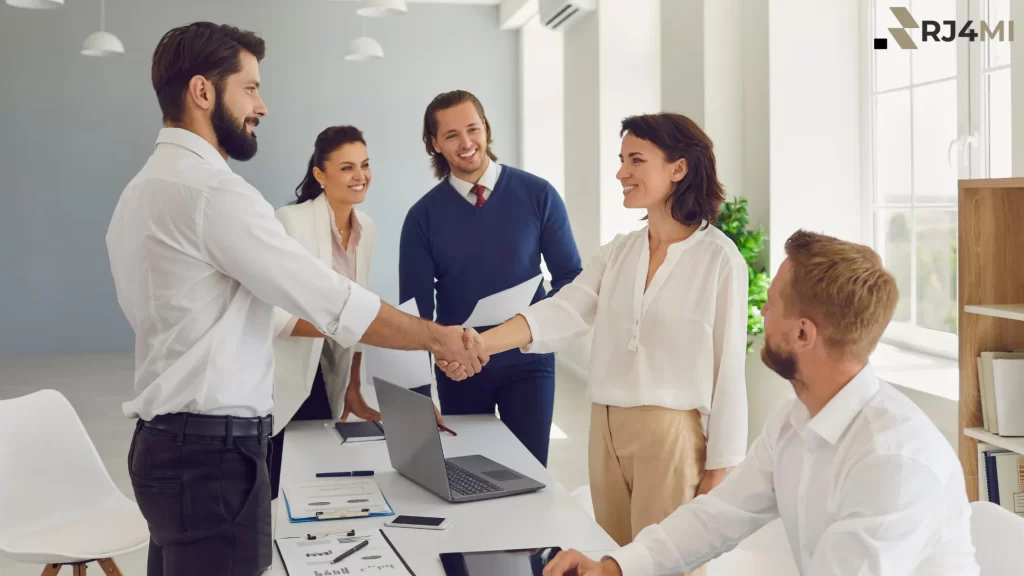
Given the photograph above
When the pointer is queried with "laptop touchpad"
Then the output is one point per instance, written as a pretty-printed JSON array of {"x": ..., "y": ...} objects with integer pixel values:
[{"x": 502, "y": 475}]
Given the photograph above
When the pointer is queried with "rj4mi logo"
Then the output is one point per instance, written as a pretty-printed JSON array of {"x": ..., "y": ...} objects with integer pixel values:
[{"x": 931, "y": 29}]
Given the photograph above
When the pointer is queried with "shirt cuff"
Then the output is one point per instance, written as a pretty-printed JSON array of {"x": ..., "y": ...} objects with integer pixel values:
[
  {"x": 714, "y": 462},
  {"x": 285, "y": 326},
  {"x": 633, "y": 559},
  {"x": 359, "y": 312},
  {"x": 533, "y": 347}
]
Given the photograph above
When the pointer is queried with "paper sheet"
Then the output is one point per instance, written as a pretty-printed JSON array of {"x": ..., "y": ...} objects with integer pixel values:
[
  {"x": 303, "y": 557},
  {"x": 335, "y": 495},
  {"x": 405, "y": 368},
  {"x": 497, "y": 308}
]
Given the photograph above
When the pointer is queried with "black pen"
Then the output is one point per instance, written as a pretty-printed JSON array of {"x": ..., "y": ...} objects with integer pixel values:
[
  {"x": 344, "y": 474},
  {"x": 351, "y": 551}
]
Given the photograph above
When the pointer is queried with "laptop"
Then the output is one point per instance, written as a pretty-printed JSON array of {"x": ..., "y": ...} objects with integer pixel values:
[{"x": 414, "y": 445}]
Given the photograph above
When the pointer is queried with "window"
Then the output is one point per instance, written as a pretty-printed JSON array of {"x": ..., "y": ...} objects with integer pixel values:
[{"x": 924, "y": 135}]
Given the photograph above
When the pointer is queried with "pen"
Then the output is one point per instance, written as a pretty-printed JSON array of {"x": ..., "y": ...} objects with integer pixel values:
[
  {"x": 351, "y": 551},
  {"x": 344, "y": 474},
  {"x": 447, "y": 429}
]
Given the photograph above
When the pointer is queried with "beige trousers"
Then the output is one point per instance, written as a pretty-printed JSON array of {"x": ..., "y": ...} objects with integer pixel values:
[{"x": 644, "y": 463}]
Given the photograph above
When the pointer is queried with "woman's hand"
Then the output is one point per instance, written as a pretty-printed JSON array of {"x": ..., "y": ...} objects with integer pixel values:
[
  {"x": 711, "y": 479},
  {"x": 354, "y": 402}
]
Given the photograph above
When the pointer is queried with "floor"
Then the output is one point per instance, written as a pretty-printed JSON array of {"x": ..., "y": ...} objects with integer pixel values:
[{"x": 97, "y": 385}]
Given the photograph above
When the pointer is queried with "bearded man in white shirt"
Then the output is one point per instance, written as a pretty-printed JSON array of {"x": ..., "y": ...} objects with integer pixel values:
[
  {"x": 863, "y": 481},
  {"x": 199, "y": 262}
]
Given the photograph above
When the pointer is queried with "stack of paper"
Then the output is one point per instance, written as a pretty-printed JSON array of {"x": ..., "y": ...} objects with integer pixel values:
[
  {"x": 335, "y": 498},
  {"x": 303, "y": 557},
  {"x": 405, "y": 368},
  {"x": 500, "y": 307},
  {"x": 1001, "y": 385}
]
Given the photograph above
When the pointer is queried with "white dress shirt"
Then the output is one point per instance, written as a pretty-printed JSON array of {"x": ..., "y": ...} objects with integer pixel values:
[
  {"x": 487, "y": 180},
  {"x": 867, "y": 487},
  {"x": 199, "y": 262},
  {"x": 680, "y": 345}
]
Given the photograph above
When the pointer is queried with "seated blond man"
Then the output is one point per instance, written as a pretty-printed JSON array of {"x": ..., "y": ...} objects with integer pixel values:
[{"x": 863, "y": 481}]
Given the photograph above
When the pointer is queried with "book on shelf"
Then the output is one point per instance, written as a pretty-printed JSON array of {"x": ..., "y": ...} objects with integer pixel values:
[
  {"x": 1001, "y": 387},
  {"x": 1001, "y": 477}
]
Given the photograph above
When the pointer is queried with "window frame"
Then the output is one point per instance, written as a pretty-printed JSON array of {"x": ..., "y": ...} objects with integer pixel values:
[{"x": 910, "y": 335}]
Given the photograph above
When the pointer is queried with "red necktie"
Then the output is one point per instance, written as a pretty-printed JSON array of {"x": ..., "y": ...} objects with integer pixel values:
[{"x": 479, "y": 191}]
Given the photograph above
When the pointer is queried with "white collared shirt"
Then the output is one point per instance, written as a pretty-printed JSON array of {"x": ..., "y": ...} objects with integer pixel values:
[
  {"x": 869, "y": 486},
  {"x": 199, "y": 262},
  {"x": 488, "y": 180},
  {"x": 680, "y": 344}
]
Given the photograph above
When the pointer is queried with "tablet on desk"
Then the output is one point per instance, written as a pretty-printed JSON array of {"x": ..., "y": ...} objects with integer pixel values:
[{"x": 529, "y": 562}]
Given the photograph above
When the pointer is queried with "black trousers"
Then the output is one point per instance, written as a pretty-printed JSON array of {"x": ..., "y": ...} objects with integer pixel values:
[
  {"x": 206, "y": 498},
  {"x": 315, "y": 407},
  {"x": 524, "y": 393}
]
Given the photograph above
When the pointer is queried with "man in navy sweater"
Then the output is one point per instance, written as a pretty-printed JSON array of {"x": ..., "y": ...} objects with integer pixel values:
[{"x": 481, "y": 230}]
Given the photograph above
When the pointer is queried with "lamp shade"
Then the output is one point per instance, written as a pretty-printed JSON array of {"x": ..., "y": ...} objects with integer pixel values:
[
  {"x": 36, "y": 4},
  {"x": 364, "y": 48},
  {"x": 382, "y": 8},
  {"x": 102, "y": 44}
]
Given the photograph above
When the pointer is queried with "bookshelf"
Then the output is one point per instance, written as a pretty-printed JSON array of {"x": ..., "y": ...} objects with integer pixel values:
[{"x": 991, "y": 295}]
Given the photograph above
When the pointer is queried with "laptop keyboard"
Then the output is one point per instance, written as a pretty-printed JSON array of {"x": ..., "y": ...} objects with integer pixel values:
[{"x": 466, "y": 484}]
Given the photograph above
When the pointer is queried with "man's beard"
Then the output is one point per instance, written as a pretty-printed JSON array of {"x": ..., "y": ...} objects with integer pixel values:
[
  {"x": 231, "y": 134},
  {"x": 780, "y": 362}
]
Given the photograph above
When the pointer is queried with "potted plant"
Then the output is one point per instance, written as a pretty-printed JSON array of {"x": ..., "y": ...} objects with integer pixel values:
[{"x": 733, "y": 221}]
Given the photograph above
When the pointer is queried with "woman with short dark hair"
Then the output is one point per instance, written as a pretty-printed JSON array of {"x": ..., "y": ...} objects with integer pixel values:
[{"x": 667, "y": 305}]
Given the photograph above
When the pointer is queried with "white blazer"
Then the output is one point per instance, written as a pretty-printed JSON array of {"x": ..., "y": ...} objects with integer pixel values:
[{"x": 295, "y": 359}]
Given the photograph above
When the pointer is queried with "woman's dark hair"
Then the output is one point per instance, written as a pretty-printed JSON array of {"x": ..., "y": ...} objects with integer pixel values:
[
  {"x": 444, "y": 102},
  {"x": 328, "y": 141},
  {"x": 699, "y": 195},
  {"x": 198, "y": 49}
]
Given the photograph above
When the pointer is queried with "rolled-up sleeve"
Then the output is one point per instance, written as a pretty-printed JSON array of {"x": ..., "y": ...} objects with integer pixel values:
[
  {"x": 727, "y": 422},
  {"x": 557, "y": 321},
  {"x": 241, "y": 237}
]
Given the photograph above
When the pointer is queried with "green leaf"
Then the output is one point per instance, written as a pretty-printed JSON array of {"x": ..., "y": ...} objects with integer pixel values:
[{"x": 733, "y": 221}]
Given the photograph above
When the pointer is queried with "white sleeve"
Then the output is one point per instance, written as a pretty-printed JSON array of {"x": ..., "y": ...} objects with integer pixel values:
[
  {"x": 240, "y": 236},
  {"x": 558, "y": 321},
  {"x": 711, "y": 524},
  {"x": 727, "y": 422}
]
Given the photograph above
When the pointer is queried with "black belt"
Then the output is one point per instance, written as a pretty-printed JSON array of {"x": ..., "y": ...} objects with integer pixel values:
[{"x": 215, "y": 426}]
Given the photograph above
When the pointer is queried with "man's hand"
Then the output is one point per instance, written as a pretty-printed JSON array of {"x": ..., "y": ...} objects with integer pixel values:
[
  {"x": 355, "y": 404},
  {"x": 573, "y": 563},
  {"x": 474, "y": 349},
  {"x": 711, "y": 479}
]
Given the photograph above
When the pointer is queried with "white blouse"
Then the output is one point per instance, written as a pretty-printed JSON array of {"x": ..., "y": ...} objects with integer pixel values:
[{"x": 680, "y": 345}]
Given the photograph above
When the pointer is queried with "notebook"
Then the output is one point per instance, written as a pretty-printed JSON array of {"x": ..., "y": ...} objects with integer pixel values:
[{"x": 359, "y": 431}]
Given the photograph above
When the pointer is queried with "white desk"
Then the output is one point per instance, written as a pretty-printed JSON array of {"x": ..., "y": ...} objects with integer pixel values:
[{"x": 550, "y": 517}]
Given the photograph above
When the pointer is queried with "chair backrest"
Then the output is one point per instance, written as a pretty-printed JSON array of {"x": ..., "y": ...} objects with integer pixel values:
[
  {"x": 48, "y": 464},
  {"x": 998, "y": 535}
]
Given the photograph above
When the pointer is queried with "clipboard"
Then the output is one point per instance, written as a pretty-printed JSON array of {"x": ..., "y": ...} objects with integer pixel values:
[{"x": 376, "y": 505}]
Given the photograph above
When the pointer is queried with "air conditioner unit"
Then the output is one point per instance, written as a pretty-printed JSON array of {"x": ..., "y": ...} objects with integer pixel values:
[{"x": 562, "y": 14}]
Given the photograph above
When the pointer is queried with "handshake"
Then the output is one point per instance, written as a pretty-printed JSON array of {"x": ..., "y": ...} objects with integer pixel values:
[{"x": 460, "y": 353}]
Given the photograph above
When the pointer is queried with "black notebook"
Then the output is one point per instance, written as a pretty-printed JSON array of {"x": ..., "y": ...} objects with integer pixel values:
[{"x": 360, "y": 431}]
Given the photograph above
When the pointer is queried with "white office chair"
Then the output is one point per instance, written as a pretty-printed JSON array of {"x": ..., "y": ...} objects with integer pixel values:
[
  {"x": 998, "y": 535},
  {"x": 60, "y": 506}
]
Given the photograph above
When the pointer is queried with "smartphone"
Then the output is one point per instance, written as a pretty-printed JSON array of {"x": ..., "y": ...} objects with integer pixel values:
[{"x": 424, "y": 522}]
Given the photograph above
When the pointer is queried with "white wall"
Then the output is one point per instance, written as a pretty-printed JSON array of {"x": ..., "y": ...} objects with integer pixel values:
[
  {"x": 682, "y": 61},
  {"x": 723, "y": 85},
  {"x": 629, "y": 81},
  {"x": 1017, "y": 91},
  {"x": 542, "y": 102},
  {"x": 815, "y": 119}
]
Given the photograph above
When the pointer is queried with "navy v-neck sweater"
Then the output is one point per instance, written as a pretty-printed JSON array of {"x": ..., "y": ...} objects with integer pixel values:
[{"x": 464, "y": 253}]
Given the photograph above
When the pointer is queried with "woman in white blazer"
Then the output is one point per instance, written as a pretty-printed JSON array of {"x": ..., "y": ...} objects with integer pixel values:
[{"x": 314, "y": 378}]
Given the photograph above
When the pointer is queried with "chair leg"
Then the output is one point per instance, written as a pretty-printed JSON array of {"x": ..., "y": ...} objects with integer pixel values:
[
  {"x": 109, "y": 567},
  {"x": 80, "y": 569},
  {"x": 52, "y": 569}
]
